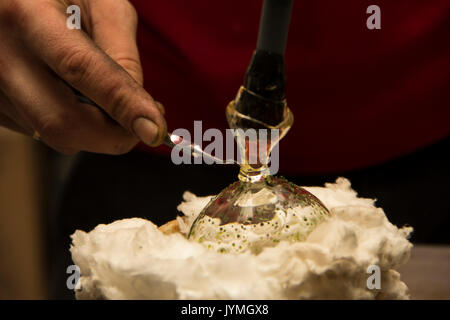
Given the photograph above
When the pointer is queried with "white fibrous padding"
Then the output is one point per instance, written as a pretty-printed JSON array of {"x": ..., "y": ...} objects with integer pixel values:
[{"x": 342, "y": 258}]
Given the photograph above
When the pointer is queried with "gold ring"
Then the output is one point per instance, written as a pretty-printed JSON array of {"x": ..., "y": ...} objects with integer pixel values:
[{"x": 36, "y": 136}]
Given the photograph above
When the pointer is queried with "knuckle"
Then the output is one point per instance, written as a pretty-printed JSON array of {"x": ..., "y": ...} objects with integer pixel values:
[{"x": 75, "y": 63}]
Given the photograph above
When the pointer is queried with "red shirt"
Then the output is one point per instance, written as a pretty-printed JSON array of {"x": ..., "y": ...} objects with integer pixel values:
[{"x": 360, "y": 97}]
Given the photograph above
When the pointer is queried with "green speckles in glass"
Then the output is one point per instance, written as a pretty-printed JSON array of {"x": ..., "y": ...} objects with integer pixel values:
[{"x": 251, "y": 216}]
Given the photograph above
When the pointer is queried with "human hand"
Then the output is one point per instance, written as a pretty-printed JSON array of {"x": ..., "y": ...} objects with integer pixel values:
[{"x": 101, "y": 61}]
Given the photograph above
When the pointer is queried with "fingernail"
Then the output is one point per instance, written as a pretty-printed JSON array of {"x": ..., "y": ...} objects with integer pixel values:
[{"x": 146, "y": 130}]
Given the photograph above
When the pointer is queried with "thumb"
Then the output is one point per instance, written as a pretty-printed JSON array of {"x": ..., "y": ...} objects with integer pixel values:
[{"x": 113, "y": 25}]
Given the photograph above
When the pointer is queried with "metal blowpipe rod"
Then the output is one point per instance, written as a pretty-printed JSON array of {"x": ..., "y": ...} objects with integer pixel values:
[{"x": 263, "y": 97}]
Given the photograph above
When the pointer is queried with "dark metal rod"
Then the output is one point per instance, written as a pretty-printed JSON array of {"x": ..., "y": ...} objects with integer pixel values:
[{"x": 274, "y": 25}]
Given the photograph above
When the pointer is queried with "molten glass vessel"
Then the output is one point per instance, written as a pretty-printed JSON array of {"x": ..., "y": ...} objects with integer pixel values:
[{"x": 259, "y": 210}]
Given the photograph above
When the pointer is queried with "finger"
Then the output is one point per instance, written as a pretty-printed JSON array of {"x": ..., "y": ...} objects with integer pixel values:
[
  {"x": 75, "y": 58},
  {"x": 52, "y": 110},
  {"x": 120, "y": 20}
]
